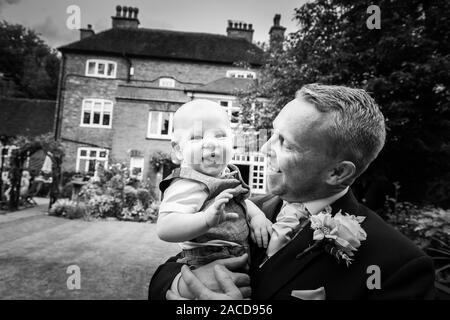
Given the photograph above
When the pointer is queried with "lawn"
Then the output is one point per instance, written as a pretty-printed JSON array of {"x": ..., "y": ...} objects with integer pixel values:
[{"x": 116, "y": 259}]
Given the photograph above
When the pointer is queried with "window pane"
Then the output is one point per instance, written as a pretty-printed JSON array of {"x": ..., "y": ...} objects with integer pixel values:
[
  {"x": 102, "y": 154},
  {"x": 91, "y": 68},
  {"x": 110, "y": 69},
  {"x": 93, "y": 154},
  {"x": 101, "y": 68},
  {"x": 224, "y": 103},
  {"x": 97, "y": 106},
  {"x": 166, "y": 82},
  {"x": 91, "y": 167},
  {"x": 234, "y": 117},
  {"x": 87, "y": 104},
  {"x": 96, "y": 119},
  {"x": 106, "y": 118},
  {"x": 101, "y": 164},
  {"x": 154, "y": 122},
  {"x": 86, "y": 117},
  {"x": 107, "y": 106},
  {"x": 165, "y": 123},
  {"x": 83, "y": 153},
  {"x": 82, "y": 167}
]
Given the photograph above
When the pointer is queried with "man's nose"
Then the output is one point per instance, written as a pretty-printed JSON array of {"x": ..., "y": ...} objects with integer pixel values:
[{"x": 267, "y": 148}]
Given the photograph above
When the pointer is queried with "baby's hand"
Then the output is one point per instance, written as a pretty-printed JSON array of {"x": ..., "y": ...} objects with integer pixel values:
[
  {"x": 215, "y": 213},
  {"x": 261, "y": 230}
]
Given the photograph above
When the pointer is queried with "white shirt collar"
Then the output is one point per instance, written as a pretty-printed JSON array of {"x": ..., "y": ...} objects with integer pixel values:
[{"x": 315, "y": 206}]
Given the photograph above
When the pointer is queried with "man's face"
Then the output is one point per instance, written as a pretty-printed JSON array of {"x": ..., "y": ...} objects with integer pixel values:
[{"x": 296, "y": 153}]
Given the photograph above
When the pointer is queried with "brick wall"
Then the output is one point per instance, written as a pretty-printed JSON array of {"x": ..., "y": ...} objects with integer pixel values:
[{"x": 132, "y": 102}]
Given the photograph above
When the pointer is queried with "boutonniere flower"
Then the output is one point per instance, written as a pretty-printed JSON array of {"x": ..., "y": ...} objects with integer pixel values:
[{"x": 340, "y": 235}]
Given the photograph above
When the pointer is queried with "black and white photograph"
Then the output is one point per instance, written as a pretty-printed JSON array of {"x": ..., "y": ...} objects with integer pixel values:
[{"x": 249, "y": 150}]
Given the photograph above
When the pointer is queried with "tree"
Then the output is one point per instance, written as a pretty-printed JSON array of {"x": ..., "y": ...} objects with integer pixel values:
[
  {"x": 404, "y": 65},
  {"x": 30, "y": 68},
  {"x": 27, "y": 146}
]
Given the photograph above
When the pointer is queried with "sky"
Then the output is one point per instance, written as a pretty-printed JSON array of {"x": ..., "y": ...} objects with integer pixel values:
[{"x": 49, "y": 17}]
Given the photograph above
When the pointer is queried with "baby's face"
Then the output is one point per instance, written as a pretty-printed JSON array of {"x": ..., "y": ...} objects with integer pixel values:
[{"x": 205, "y": 142}]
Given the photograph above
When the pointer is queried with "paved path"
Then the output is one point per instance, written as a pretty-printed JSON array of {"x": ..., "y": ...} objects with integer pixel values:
[{"x": 116, "y": 259}]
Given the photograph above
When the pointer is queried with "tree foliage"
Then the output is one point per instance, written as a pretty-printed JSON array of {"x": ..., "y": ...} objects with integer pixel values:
[
  {"x": 26, "y": 147},
  {"x": 404, "y": 65},
  {"x": 28, "y": 67}
]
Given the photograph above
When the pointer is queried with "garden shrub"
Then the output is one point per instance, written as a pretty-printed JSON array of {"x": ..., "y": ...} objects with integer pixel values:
[
  {"x": 130, "y": 196},
  {"x": 144, "y": 197},
  {"x": 429, "y": 228},
  {"x": 104, "y": 206},
  {"x": 68, "y": 208}
]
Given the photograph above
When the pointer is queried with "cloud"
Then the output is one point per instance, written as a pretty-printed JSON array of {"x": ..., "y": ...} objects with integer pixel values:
[
  {"x": 54, "y": 34},
  {"x": 4, "y": 3}
]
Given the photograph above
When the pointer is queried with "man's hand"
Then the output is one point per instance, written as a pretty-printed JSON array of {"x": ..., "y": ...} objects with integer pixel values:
[
  {"x": 201, "y": 292},
  {"x": 260, "y": 230},
  {"x": 206, "y": 275},
  {"x": 215, "y": 213}
]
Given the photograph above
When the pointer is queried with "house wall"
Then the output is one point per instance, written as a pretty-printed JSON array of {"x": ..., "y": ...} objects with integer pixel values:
[{"x": 132, "y": 102}]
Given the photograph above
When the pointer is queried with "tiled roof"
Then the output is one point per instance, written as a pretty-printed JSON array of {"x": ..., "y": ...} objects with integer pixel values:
[
  {"x": 225, "y": 86},
  {"x": 26, "y": 116},
  {"x": 165, "y": 44}
]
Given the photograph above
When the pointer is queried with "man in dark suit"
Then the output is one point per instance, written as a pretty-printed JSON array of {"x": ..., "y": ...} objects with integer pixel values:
[{"x": 323, "y": 140}]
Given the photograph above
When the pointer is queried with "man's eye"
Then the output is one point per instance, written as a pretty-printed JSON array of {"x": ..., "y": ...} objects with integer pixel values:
[{"x": 196, "y": 138}]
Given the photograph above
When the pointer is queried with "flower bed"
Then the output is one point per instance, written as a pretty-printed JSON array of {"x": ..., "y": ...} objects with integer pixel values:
[{"x": 111, "y": 194}]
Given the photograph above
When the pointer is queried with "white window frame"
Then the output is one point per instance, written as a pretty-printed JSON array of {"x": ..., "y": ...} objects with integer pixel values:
[
  {"x": 257, "y": 173},
  {"x": 88, "y": 157},
  {"x": 137, "y": 162},
  {"x": 102, "y": 112},
  {"x": 158, "y": 135},
  {"x": 96, "y": 68},
  {"x": 242, "y": 74},
  {"x": 230, "y": 109},
  {"x": 167, "y": 82}
]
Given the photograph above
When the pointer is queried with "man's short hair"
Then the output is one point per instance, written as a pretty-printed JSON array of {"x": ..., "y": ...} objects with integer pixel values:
[{"x": 357, "y": 129}]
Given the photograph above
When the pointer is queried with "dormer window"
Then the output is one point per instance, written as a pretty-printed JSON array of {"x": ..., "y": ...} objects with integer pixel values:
[
  {"x": 101, "y": 68},
  {"x": 241, "y": 74},
  {"x": 167, "y": 82}
]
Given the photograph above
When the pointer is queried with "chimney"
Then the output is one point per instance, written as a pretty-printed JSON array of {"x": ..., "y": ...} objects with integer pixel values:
[
  {"x": 126, "y": 17},
  {"x": 239, "y": 29},
  {"x": 84, "y": 33},
  {"x": 276, "y": 33}
]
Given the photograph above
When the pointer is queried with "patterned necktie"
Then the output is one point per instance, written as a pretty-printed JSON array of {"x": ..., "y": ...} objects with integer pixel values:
[{"x": 286, "y": 226}]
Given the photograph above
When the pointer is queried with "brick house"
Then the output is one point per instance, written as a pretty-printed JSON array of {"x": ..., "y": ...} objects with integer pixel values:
[{"x": 119, "y": 89}]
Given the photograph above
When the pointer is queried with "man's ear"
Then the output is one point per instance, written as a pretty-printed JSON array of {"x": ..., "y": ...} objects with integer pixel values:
[
  {"x": 177, "y": 154},
  {"x": 342, "y": 173}
]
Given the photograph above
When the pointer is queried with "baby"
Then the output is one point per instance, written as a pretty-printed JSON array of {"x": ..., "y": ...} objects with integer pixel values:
[{"x": 205, "y": 205}]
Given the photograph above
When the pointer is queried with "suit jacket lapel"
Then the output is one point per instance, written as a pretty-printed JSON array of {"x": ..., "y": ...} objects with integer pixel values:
[{"x": 283, "y": 266}]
